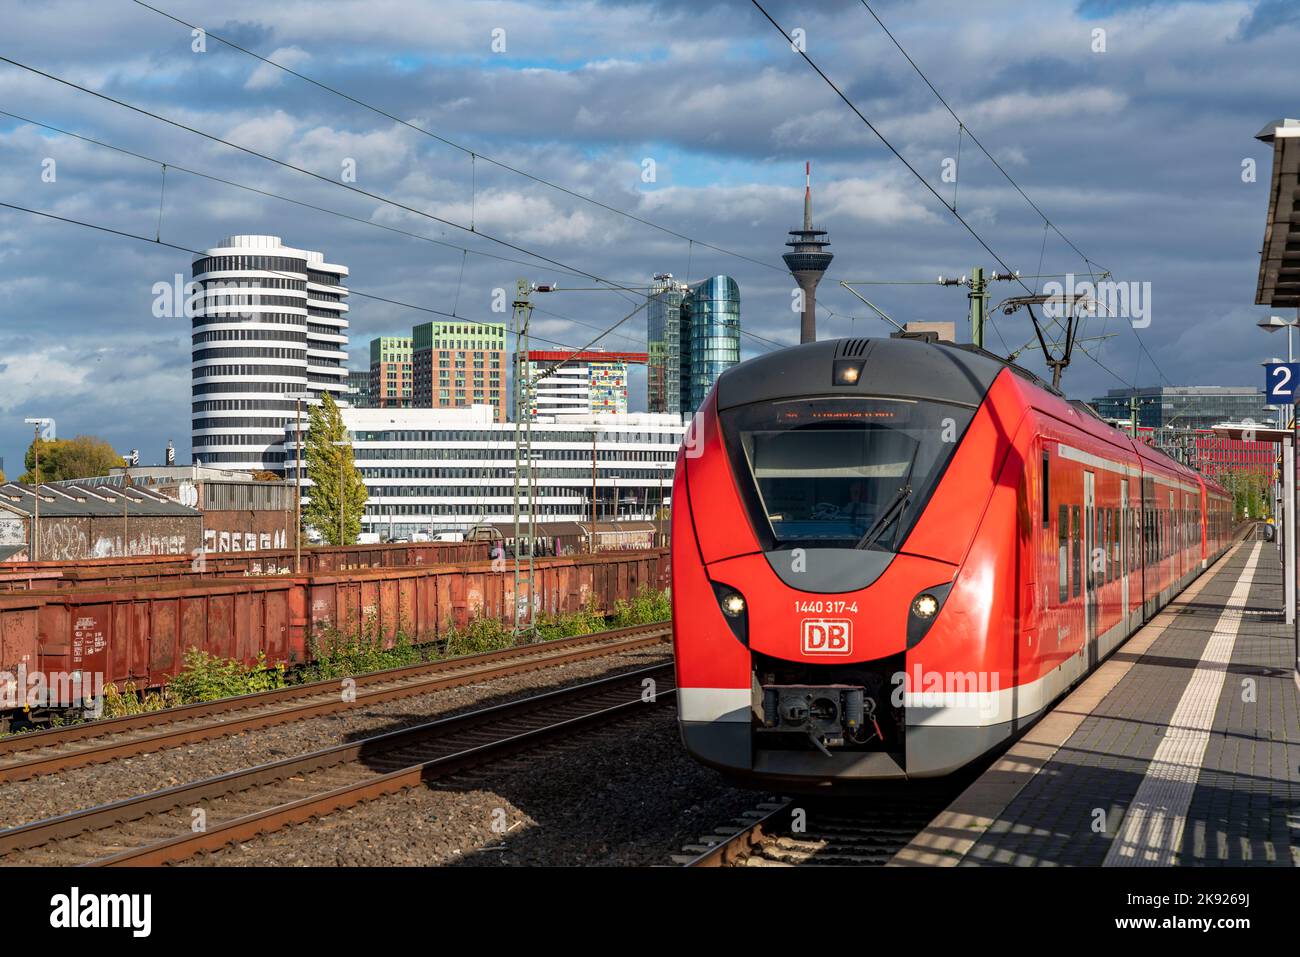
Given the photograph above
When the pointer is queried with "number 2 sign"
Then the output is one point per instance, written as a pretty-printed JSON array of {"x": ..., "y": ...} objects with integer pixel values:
[{"x": 1280, "y": 381}]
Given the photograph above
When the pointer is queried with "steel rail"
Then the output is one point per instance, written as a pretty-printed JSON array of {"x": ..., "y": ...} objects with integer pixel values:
[
  {"x": 456, "y": 742},
  {"x": 173, "y": 727}
]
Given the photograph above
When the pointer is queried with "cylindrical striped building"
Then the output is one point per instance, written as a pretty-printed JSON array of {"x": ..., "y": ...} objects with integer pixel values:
[{"x": 269, "y": 321}]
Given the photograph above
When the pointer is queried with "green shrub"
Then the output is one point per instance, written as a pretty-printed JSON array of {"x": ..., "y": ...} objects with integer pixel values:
[
  {"x": 483, "y": 634},
  {"x": 334, "y": 654},
  {"x": 207, "y": 677},
  {"x": 584, "y": 622},
  {"x": 129, "y": 701},
  {"x": 648, "y": 606}
]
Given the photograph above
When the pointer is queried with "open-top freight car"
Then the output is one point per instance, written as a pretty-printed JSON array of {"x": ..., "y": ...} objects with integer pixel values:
[
  {"x": 160, "y": 568},
  {"x": 60, "y": 646}
]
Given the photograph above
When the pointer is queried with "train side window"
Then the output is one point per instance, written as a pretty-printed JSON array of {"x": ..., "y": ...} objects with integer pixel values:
[
  {"x": 1062, "y": 552},
  {"x": 1047, "y": 489},
  {"x": 1135, "y": 539},
  {"x": 1076, "y": 549},
  {"x": 1116, "y": 541},
  {"x": 1111, "y": 558},
  {"x": 1104, "y": 542}
]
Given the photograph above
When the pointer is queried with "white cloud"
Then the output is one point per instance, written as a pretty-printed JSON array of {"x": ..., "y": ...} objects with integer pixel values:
[{"x": 265, "y": 76}]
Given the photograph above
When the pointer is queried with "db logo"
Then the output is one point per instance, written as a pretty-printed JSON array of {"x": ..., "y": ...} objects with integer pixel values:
[{"x": 827, "y": 636}]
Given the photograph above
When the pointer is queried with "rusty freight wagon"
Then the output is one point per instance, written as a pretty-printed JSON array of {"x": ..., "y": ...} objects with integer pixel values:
[
  {"x": 148, "y": 569},
  {"x": 88, "y": 636},
  {"x": 425, "y": 602},
  {"x": 58, "y": 648}
]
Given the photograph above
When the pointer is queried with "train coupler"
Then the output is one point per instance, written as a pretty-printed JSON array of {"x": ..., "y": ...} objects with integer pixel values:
[{"x": 830, "y": 715}]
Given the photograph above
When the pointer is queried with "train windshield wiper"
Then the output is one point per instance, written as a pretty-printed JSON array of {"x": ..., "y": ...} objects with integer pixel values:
[{"x": 892, "y": 511}]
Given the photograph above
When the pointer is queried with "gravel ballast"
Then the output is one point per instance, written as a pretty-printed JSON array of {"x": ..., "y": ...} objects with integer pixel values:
[
  {"x": 623, "y": 795},
  {"x": 79, "y": 788}
]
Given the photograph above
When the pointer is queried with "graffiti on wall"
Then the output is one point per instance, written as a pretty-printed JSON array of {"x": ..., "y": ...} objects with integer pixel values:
[
  {"x": 64, "y": 543},
  {"x": 110, "y": 546},
  {"x": 216, "y": 542},
  {"x": 11, "y": 531}
]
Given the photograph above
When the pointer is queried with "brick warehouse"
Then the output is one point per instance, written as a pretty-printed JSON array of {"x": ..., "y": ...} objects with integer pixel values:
[{"x": 240, "y": 513}]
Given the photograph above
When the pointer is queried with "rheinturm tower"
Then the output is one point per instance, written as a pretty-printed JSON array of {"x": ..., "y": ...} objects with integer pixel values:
[{"x": 807, "y": 261}]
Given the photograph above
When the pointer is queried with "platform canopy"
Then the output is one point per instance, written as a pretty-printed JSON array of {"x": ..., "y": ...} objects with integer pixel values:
[
  {"x": 1249, "y": 432},
  {"x": 1279, "y": 262}
]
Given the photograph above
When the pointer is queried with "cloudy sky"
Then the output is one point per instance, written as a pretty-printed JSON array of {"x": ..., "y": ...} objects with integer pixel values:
[{"x": 1135, "y": 152}]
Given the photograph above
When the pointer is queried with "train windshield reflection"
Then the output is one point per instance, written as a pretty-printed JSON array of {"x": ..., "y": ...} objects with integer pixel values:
[{"x": 823, "y": 470}]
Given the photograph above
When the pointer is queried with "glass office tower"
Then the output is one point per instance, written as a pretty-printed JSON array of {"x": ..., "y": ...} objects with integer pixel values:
[
  {"x": 693, "y": 335},
  {"x": 710, "y": 337},
  {"x": 663, "y": 333}
]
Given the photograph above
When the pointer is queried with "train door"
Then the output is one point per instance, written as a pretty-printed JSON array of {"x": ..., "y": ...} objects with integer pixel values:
[
  {"x": 1124, "y": 549},
  {"x": 1089, "y": 564}
]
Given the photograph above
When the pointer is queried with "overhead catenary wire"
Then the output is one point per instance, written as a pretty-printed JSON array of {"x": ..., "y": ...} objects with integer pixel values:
[
  {"x": 474, "y": 155},
  {"x": 303, "y": 170},
  {"x": 973, "y": 138},
  {"x": 1090, "y": 264},
  {"x": 888, "y": 145},
  {"x": 927, "y": 184},
  {"x": 126, "y": 234},
  {"x": 271, "y": 194},
  {"x": 614, "y": 286}
]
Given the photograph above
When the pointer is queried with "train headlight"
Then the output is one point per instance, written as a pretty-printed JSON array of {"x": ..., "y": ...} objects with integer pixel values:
[
  {"x": 925, "y": 605},
  {"x": 735, "y": 610},
  {"x": 846, "y": 371},
  {"x": 733, "y": 605},
  {"x": 924, "y": 609}
]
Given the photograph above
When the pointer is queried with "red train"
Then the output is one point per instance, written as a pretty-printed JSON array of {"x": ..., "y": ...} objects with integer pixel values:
[{"x": 890, "y": 556}]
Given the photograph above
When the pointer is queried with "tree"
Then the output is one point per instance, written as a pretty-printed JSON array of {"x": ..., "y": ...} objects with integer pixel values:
[
  {"x": 1250, "y": 493},
  {"x": 83, "y": 456},
  {"x": 333, "y": 476}
]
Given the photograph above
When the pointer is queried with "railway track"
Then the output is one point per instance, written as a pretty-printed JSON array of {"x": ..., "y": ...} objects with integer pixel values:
[
  {"x": 177, "y": 823},
  {"x": 24, "y": 756},
  {"x": 865, "y": 830}
]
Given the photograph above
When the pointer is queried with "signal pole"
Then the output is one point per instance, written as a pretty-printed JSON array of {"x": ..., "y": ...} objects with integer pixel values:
[
  {"x": 979, "y": 305},
  {"x": 523, "y": 309},
  {"x": 979, "y": 298}
]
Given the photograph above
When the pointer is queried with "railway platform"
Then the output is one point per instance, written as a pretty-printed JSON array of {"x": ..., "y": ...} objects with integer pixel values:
[{"x": 1182, "y": 749}]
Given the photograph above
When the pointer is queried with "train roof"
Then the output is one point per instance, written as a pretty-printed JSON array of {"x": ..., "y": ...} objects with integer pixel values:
[{"x": 909, "y": 367}]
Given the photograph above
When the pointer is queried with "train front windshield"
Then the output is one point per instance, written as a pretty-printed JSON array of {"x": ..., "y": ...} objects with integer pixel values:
[{"x": 840, "y": 472}]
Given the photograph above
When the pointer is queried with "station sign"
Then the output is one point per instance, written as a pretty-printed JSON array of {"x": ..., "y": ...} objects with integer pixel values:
[{"x": 1280, "y": 382}]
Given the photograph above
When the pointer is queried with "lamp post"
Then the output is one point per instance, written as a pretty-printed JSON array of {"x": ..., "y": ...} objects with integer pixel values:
[
  {"x": 341, "y": 444},
  {"x": 1273, "y": 324},
  {"x": 297, "y": 491},
  {"x": 37, "y": 425},
  {"x": 126, "y": 481}
]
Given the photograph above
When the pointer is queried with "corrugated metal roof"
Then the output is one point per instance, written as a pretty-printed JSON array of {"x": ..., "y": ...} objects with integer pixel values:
[{"x": 72, "y": 499}]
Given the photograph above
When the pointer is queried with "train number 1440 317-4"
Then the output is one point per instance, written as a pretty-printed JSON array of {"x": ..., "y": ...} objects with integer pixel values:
[{"x": 825, "y": 606}]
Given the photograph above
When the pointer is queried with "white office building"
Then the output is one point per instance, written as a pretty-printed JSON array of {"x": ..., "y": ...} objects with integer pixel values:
[
  {"x": 447, "y": 470},
  {"x": 269, "y": 321}
]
